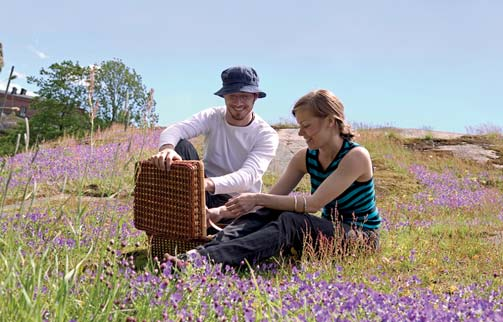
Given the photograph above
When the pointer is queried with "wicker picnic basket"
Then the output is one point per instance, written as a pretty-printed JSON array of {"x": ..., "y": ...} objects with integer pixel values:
[{"x": 170, "y": 206}]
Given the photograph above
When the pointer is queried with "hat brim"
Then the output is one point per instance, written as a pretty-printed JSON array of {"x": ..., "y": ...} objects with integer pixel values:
[{"x": 236, "y": 88}]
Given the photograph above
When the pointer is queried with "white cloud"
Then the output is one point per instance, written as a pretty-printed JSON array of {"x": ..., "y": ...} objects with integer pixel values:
[
  {"x": 37, "y": 52},
  {"x": 19, "y": 75}
]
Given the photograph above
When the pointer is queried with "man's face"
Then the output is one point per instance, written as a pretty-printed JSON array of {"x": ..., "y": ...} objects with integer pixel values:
[{"x": 239, "y": 108}]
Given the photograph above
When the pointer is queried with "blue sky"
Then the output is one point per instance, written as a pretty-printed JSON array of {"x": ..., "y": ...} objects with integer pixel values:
[{"x": 408, "y": 63}]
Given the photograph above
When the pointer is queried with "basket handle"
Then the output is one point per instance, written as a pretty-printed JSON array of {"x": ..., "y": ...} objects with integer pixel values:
[{"x": 212, "y": 224}]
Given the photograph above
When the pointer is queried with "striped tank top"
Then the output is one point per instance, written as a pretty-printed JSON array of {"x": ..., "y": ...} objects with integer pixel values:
[{"x": 357, "y": 204}]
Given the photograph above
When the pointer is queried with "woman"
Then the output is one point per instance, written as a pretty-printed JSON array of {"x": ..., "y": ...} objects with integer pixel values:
[{"x": 342, "y": 187}]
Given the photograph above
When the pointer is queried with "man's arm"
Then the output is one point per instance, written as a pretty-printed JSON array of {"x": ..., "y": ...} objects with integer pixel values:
[
  {"x": 196, "y": 125},
  {"x": 209, "y": 185},
  {"x": 166, "y": 146},
  {"x": 253, "y": 168}
]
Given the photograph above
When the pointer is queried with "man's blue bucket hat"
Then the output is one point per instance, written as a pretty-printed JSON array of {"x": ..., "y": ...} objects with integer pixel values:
[{"x": 240, "y": 79}]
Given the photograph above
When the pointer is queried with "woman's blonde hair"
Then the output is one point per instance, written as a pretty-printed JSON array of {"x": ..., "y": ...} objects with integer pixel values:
[{"x": 323, "y": 103}]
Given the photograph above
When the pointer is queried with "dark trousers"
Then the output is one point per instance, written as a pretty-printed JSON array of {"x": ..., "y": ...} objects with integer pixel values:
[
  {"x": 245, "y": 225},
  {"x": 187, "y": 151},
  {"x": 266, "y": 233}
]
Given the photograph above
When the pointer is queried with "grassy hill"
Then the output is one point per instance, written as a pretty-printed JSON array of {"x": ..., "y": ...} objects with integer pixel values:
[{"x": 66, "y": 223}]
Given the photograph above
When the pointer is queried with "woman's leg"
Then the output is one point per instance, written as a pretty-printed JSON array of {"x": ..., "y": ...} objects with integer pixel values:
[
  {"x": 355, "y": 236},
  {"x": 290, "y": 230},
  {"x": 245, "y": 225}
]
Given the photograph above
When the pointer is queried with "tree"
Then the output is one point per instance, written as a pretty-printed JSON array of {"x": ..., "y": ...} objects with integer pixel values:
[
  {"x": 64, "y": 101},
  {"x": 61, "y": 105},
  {"x": 121, "y": 95},
  {"x": 54, "y": 119},
  {"x": 9, "y": 136}
]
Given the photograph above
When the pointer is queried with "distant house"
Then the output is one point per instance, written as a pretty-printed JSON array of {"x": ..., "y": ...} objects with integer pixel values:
[{"x": 18, "y": 103}]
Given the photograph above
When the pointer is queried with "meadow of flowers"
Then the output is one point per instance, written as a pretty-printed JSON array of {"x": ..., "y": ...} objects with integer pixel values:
[{"x": 69, "y": 250}]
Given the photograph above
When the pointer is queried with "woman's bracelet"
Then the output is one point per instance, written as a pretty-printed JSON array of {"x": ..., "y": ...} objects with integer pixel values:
[
  {"x": 305, "y": 203},
  {"x": 294, "y": 203}
]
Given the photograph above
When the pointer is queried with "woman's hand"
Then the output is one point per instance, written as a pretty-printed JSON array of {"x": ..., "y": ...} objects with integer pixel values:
[
  {"x": 219, "y": 213},
  {"x": 242, "y": 204},
  {"x": 214, "y": 214}
]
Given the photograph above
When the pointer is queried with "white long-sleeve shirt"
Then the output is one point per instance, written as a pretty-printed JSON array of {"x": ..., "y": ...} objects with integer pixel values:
[{"x": 235, "y": 157}]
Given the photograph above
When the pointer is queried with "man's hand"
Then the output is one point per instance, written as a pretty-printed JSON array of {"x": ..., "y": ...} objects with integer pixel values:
[
  {"x": 164, "y": 158},
  {"x": 213, "y": 214},
  {"x": 219, "y": 213},
  {"x": 242, "y": 204}
]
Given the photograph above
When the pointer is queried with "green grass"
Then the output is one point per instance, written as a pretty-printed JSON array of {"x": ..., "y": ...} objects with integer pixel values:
[{"x": 64, "y": 245}]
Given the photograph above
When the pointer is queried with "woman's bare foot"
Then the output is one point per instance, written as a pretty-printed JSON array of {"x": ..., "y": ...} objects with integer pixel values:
[{"x": 177, "y": 262}]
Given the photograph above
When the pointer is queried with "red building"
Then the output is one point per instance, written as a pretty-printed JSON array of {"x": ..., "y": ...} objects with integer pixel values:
[{"x": 15, "y": 102}]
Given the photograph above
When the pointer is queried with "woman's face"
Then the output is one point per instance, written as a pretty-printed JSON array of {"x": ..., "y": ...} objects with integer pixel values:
[{"x": 315, "y": 130}]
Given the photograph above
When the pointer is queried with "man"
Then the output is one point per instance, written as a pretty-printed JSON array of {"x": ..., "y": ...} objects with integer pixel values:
[{"x": 239, "y": 144}]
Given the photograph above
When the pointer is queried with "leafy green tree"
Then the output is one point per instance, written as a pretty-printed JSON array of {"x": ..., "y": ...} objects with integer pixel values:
[
  {"x": 54, "y": 119},
  {"x": 121, "y": 95},
  {"x": 66, "y": 100},
  {"x": 61, "y": 106},
  {"x": 9, "y": 138},
  {"x": 64, "y": 82}
]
